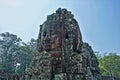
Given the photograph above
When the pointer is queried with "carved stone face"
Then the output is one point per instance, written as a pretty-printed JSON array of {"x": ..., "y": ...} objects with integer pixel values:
[
  {"x": 62, "y": 54},
  {"x": 51, "y": 39},
  {"x": 59, "y": 28},
  {"x": 54, "y": 38}
]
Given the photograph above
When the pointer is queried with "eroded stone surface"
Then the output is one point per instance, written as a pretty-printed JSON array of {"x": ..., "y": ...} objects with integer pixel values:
[{"x": 62, "y": 53}]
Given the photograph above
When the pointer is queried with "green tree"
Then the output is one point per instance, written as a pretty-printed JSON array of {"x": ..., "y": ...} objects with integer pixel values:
[
  {"x": 28, "y": 50},
  {"x": 9, "y": 47},
  {"x": 15, "y": 55},
  {"x": 110, "y": 65}
]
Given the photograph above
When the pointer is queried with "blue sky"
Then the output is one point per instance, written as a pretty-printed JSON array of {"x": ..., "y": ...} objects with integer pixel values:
[{"x": 99, "y": 20}]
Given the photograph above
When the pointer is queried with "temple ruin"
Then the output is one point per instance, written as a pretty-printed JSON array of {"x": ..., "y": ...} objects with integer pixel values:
[{"x": 62, "y": 53}]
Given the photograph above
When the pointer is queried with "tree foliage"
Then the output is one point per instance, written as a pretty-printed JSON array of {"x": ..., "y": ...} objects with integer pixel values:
[
  {"x": 110, "y": 65},
  {"x": 27, "y": 52},
  {"x": 15, "y": 55},
  {"x": 9, "y": 47}
]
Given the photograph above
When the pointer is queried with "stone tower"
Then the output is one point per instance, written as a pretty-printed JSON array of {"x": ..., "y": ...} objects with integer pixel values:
[{"x": 62, "y": 55}]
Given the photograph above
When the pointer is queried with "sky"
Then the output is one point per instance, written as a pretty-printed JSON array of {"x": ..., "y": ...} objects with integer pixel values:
[{"x": 99, "y": 20}]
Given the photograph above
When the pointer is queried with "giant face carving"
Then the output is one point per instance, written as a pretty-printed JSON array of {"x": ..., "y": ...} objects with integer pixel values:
[
  {"x": 60, "y": 37},
  {"x": 51, "y": 39},
  {"x": 58, "y": 31}
]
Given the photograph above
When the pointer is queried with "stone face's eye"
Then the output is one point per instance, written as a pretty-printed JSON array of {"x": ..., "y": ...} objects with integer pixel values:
[
  {"x": 44, "y": 34},
  {"x": 66, "y": 36}
]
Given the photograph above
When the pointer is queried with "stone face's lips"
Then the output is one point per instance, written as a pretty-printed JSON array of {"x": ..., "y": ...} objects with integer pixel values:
[{"x": 56, "y": 54}]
